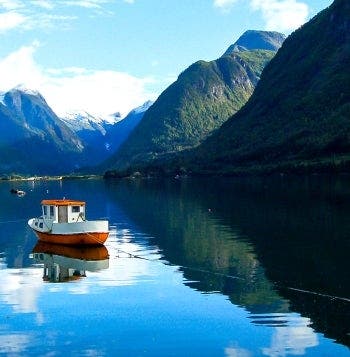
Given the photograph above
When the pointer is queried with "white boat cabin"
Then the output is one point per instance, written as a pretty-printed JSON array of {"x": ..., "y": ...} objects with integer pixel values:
[{"x": 63, "y": 211}]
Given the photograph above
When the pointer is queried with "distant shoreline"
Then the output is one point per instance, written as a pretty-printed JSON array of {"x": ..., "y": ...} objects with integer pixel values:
[{"x": 49, "y": 178}]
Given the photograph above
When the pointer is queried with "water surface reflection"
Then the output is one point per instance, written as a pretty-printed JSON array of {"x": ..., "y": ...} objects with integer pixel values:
[
  {"x": 195, "y": 267},
  {"x": 274, "y": 246},
  {"x": 65, "y": 263}
]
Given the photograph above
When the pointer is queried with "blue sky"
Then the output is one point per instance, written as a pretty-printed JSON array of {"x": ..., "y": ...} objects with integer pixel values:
[{"x": 104, "y": 56}]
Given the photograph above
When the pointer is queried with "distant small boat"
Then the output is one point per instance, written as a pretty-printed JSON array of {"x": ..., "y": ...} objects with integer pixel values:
[
  {"x": 63, "y": 222},
  {"x": 19, "y": 193}
]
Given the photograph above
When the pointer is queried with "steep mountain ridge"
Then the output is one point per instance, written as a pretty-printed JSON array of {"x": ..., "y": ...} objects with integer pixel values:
[
  {"x": 190, "y": 109},
  {"x": 30, "y": 110},
  {"x": 32, "y": 137},
  {"x": 257, "y": 40},
  {"x": 298, "y": 116}
]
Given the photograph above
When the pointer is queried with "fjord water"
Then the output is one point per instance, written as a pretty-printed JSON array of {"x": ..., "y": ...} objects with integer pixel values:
[{"x": 196, "y": 267}]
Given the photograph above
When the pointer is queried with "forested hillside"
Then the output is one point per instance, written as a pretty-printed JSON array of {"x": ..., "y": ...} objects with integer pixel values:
[{"x": 204, "y": 96}]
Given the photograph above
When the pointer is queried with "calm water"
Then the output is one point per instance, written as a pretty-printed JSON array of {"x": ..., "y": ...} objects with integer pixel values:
[{"x": 196, "y": 268}]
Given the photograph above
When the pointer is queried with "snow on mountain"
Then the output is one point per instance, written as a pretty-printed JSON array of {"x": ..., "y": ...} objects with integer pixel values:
[
  {"x": 142, "y": 108},
  {"x": 22, "y": 88},
  {"x": 2, "y": 98},
  {"x": 19, "y": 89},
  {"x": 119, "y": 132},
  {"x": 81, "y": 120}
]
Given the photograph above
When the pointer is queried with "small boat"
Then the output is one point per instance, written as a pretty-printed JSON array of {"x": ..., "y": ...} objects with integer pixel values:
[
  {"x": 63, "y": 222},
  {"x": 19, "y": 193}
]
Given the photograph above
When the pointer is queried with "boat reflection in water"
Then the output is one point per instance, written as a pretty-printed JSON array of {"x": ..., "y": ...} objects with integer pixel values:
[{"x": 65, "y": 263}]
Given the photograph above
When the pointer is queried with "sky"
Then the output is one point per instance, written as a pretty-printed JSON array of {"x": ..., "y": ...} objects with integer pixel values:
[{"x": 107, "y": 56}]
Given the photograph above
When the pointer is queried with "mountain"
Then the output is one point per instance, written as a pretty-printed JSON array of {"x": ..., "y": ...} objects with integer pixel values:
[
  {"x": 92, "y": 131},
  {"x": 32, "y": 138},
  {"x": 83, "y": 123},
  {"x": 103, "y": 136},
  {"x": 298, "y": 118},
  {"x": 257, "y": 40},
  {"x": 120, "y": 131},
  {"x": 196, "y": 104}
]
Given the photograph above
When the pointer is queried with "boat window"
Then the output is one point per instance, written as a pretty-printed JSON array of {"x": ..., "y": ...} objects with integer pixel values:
[
  {"x": 75, "y": 209},
  {"x": 45, "y": 210},
  {"x": 52, "y": 212},
  {"x": 41, "y": 225}
]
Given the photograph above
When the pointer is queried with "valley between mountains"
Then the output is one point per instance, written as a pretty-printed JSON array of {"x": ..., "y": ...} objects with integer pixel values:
[{"x": 267, "y": 104}]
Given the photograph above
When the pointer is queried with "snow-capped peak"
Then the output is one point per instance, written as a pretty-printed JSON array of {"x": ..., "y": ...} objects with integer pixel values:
[
  {"x": 22, "y": 88},
  {"x": 142, "y": 108},
  {"x": 82, "y": 120}
]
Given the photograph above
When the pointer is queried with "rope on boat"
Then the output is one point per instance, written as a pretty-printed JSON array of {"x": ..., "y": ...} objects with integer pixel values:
[
  {"x": 318, "y": 294},
  {"x": 131, "y": 255},
  {"x": 99, "y": 241}
]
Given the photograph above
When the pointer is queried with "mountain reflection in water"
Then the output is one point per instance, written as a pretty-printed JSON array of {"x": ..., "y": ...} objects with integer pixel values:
[
  {"x": 274, "y": 246},
  {"x": 196, "y": 267}
]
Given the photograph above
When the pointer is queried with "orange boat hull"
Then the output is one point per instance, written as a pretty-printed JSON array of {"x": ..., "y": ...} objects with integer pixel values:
[
  {"x": 77, "y": 252},
  {"x": 91, "y": 238}
]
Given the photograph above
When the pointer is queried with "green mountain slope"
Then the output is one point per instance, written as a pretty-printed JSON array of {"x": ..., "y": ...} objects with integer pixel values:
[
  {"x": 299, "y": 115},
  {"x": 202, "y": 98}
]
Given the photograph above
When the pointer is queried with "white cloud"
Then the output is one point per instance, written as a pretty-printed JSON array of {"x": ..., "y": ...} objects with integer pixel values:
[
  {"x": 282, "y": 15},
  {"x": 11, "y": 20},
  {"x": 10, "y": 4},
  {"x": 292, "y": 340},
  {"x": 14, "y": 289},
  {"x": 19, "y": 67},
  {"x": 45, "y": 20},
  {"x": 99, "y": 92},
  {"x": 33, "y": 14},
  {"x": 45, "y": 4},
  {"x": 12, "y": 343},
  {"x": 224, "y": 4},
  {"x": 278, "y": 15},
  {"x": 89, "y": 4}
]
